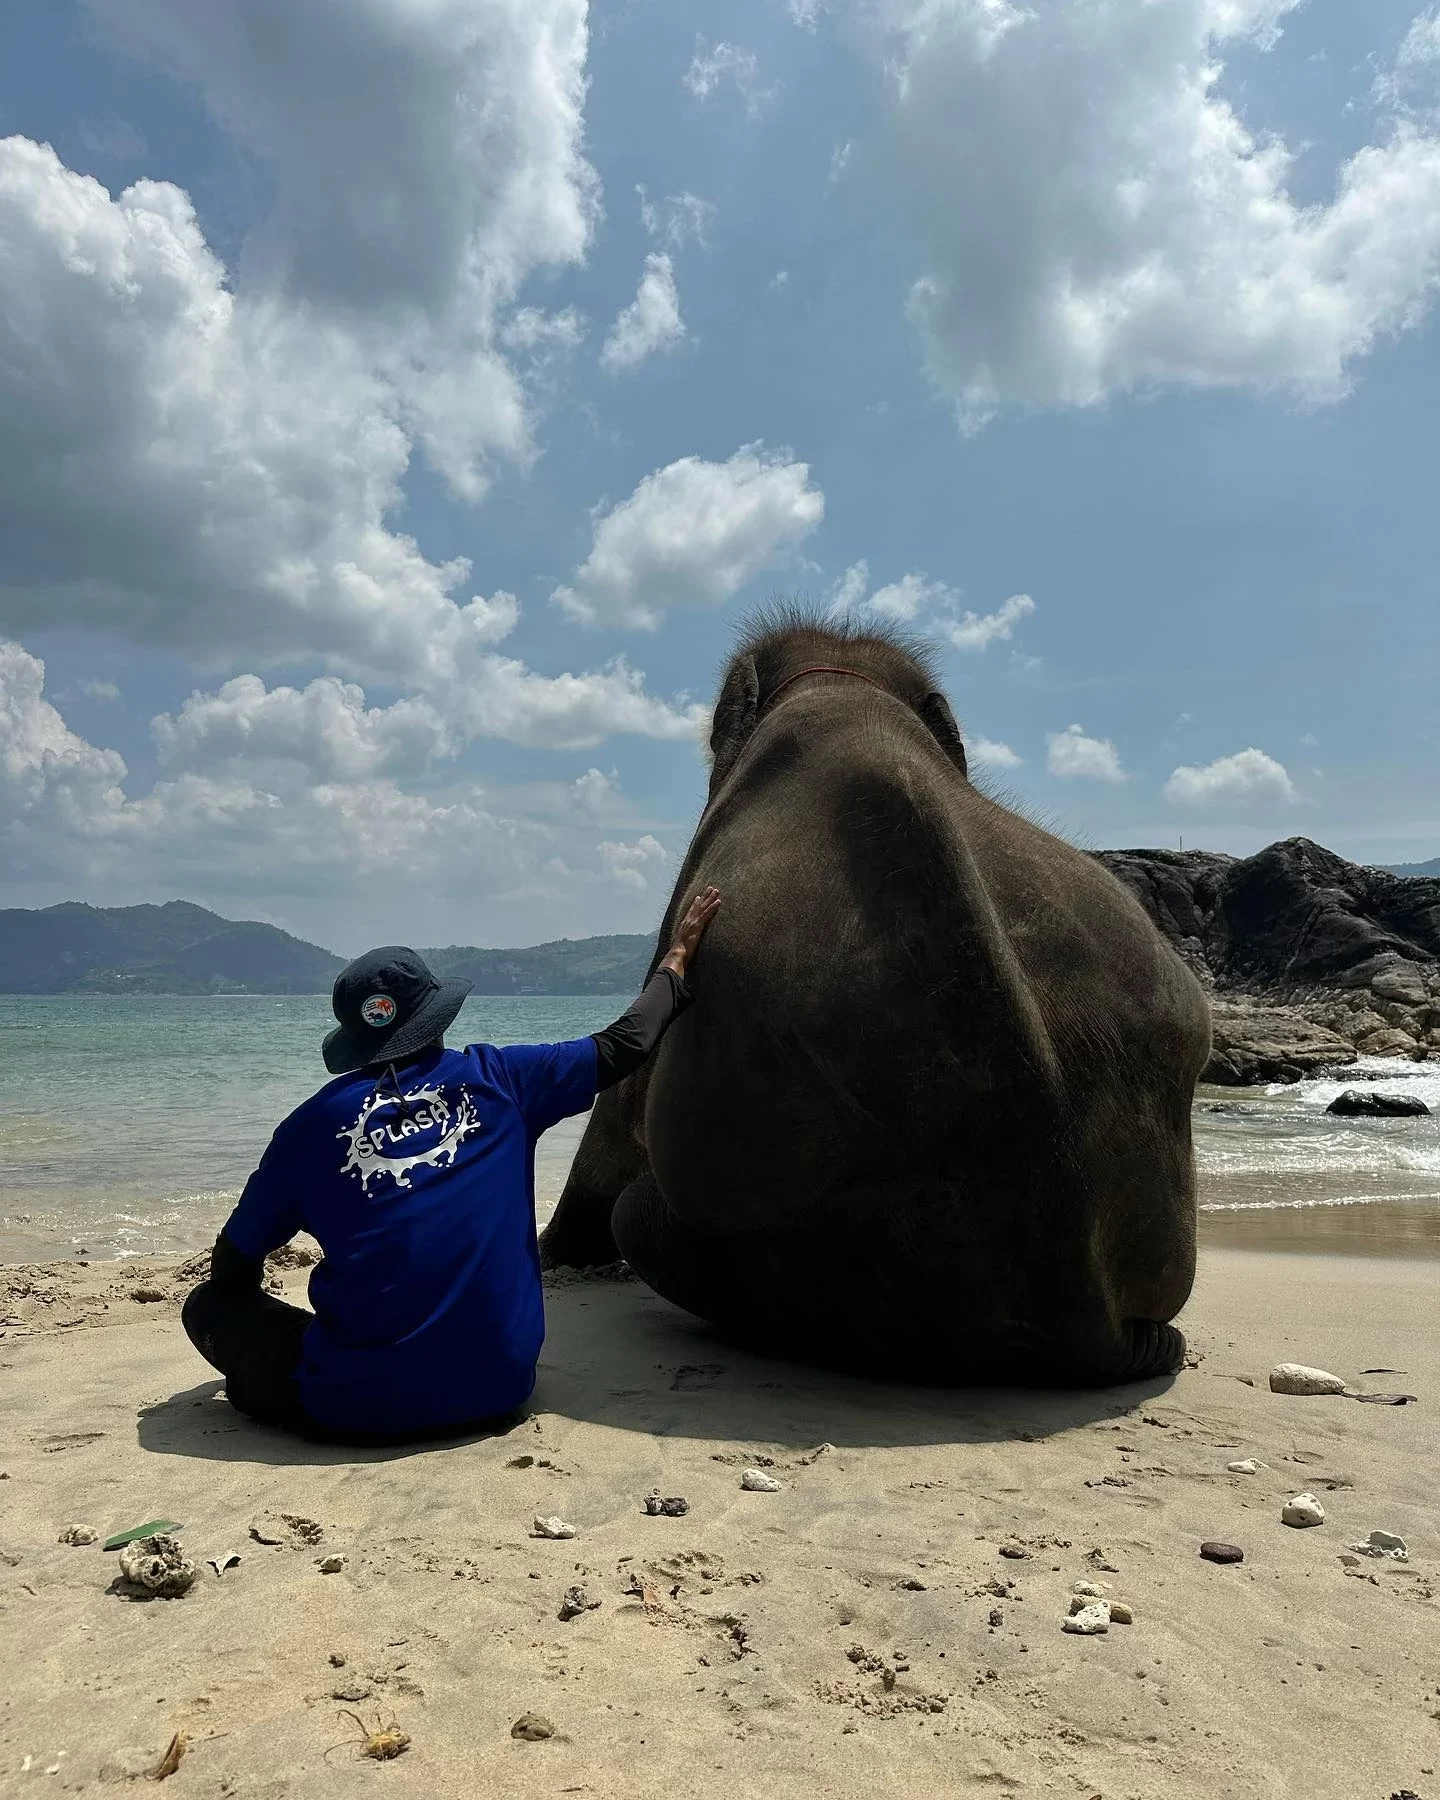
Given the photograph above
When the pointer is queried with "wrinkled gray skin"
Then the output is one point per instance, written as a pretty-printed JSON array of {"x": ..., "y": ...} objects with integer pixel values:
[{"x": 930, "y": 1114}]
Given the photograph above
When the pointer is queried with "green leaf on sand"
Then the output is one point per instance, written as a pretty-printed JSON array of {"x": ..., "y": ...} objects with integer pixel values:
[{"x": 139, "y": 1531}]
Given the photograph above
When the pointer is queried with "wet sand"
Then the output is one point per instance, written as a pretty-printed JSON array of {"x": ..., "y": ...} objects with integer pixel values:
[
  {"x": 1380, "y": 1228},
  {"x": 857, "y": 1633}
]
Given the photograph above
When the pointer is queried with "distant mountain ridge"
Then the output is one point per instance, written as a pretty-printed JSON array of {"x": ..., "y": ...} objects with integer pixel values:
[
  {"x": 1293, "y": 912},
  {"x": 179, "y": 948}
]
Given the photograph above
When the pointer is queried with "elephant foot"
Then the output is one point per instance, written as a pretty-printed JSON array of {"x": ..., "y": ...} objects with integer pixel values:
[
  {"x": 1152, "y": 1349},
  {"x": 578, "y": 1238}
]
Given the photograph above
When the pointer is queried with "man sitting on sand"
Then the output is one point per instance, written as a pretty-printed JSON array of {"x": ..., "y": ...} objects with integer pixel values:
[{"x": 416, "y": 1171}]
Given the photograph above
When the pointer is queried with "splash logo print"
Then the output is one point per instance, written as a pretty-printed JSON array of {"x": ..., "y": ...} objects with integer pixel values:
[
  {"x": 378, "y": 1011},
  {"x": 394, "y": 1136}
]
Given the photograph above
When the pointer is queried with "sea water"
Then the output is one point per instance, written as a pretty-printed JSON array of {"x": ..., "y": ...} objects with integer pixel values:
[
  {"x": 1277, "y": 1171},
  {"x": 128, "y": 1126}
]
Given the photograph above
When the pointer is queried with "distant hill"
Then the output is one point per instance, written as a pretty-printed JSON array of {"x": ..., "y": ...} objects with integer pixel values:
[
  {"x": 598, "y": 965},
  {"x": 1414, "y": 869},
  {"x": 178, "y": 948}
]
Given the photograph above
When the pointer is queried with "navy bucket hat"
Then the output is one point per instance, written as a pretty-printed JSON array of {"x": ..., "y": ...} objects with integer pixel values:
[{"x": 389, "y": 1004}]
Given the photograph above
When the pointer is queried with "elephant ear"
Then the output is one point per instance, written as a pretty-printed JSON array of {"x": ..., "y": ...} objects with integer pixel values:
[
  {"x": 735, "y": 714},
  {"x": 940, "y": 722}
]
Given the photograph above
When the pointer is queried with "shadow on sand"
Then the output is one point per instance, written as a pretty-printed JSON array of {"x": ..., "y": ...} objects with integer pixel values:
[{"x": 618, "y": 1356}]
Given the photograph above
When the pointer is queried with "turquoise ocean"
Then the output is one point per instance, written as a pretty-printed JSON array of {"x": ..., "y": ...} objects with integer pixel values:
[{"x": 128, "y": 1127}]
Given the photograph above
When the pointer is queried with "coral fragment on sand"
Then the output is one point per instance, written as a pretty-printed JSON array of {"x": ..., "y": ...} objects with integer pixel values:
[
  {"x": 158, "y": 1565},
  {"x": 1384, "y": 1543}
]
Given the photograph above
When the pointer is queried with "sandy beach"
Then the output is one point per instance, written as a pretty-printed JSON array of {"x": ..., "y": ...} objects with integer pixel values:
[{"x": 859, "y": 1632}]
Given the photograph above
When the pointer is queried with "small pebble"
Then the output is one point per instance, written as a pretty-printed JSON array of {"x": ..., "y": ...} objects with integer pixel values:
[
  {"x": 1216, "y": 1552},
  {"x": 1015, "y": 1552},
  {"x": 576, "y": 1601},
  {"x": 1120, "y": 1613},
  {"x": 756, "y": 1481},
  {"x": 532, "y": 1727},
  {"x": 1297, "y": 1378},
  {"x": 1089, "y": 1590},
  {"x": 675, "y": 1507},
  {"x": 1246, "y": 1466},
  {"x": 1304, "y": 1509},
  {"x": 331, "y": 1564},
  {"x": 353, "y": 1691},
  {"x": 337, "y": 1660},
  {"x": 1090, "y": 1619},
  {"x": 79, "y": 1534},
  {"x": 551, "y": 1528}
]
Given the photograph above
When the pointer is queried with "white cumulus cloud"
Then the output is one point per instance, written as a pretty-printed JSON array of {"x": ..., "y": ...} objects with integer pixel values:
[
  {"x": 426, "y": 158},
  {"x": 179, "y": 465},
  {"x": 1074, "y": 757},
  {"x": 691, "y": 535},
  {"x": 917, "y": 600},
  {"x": 651, "y": 322},
  {"x": 326, "y": 727},
  {"x": 987, "y": 750},
  {"x": 292, "y": 799},
  {"x": 1249, "y": 777},
  {"x": 1091, "y": 215},
  {"x": 213, "y": 458},
  {"x": 631, "y": 865}
]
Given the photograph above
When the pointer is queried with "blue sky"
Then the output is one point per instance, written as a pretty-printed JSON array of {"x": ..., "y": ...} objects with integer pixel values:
[{"x": 1095, "y": 341}]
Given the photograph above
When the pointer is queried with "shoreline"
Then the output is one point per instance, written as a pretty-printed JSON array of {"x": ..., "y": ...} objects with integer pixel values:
[
  {"x": 1376, "y": 1228},
  {"x": 856, "y": 1633}
]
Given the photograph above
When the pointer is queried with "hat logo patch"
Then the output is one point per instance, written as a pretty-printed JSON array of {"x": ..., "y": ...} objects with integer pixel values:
[{"x": 378, "y": 1011}]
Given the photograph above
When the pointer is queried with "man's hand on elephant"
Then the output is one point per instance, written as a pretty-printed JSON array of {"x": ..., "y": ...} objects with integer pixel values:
[{"x": 688, "y": 933}]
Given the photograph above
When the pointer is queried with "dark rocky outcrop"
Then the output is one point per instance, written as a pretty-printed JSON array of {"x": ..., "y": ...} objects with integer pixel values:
[
  {"x": 1309, "y": 958},
  {"x": 1292, "y": 915},
  {"x": 1362, "y": 1103}
]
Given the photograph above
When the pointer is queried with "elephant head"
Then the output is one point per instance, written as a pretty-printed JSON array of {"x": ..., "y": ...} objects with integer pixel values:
[{"x": 779, "y": 652}]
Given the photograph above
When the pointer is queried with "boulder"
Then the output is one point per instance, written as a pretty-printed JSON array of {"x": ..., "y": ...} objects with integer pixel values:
[
  {"x": 1401, "y": 983},
  {"x": 1389, "y": 1042},
  {"x": 1364, "y": 1103},
  {"x": 1294, "y": 915},
  {"x": 1253, "y": 1043}
]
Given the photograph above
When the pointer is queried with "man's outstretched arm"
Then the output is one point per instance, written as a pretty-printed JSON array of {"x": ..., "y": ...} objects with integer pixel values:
[{"x": 621, "y": 1048}]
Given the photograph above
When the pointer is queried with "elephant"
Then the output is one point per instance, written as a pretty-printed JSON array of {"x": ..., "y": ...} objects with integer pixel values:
[{"x": 929, "y": 1116}]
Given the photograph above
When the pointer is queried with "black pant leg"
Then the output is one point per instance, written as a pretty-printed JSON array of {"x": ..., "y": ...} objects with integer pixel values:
[{"x": 254, "y": 1340}]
